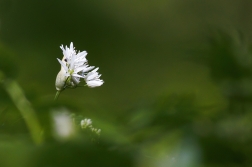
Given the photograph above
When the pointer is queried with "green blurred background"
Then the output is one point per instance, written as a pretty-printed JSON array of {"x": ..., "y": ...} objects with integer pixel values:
[{"x": 178, "y": 81}]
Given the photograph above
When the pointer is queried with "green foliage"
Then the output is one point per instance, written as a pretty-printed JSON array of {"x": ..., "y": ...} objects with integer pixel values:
[{"x": 175, "y": 94}]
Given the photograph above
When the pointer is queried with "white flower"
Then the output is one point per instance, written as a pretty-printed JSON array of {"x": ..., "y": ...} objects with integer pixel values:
[
  {"x": 74, "y": 67},
  {"x": 63, "y": 124},
  {"x": 86, "y": 122},
  {"x": 92, "y": 79},
  {"x": 97, "y": 131}
]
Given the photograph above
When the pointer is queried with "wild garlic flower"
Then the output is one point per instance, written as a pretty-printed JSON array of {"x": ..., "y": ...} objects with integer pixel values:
[
  {"x": 74, "y": 66},
  {"x": 63, "y": 125},
  {"x": 86, "y": 122},
  {"x": 97, "y": 131}
]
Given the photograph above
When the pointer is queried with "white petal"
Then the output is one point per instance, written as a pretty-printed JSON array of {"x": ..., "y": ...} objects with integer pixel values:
[
  {"x": 82, "y": 54},
  {"x": 88, "y": 69},
  {"x": 62, "y": 48},
  {"x": 75, "y": 80},
  {"x": 91, "y": 76},
  {"x": 72, "y": 61},
  {"x": 77, "y": 75},
  {"x": 95, "y": 83},
  {"x": 63, "y": 65},
  {"x": 78, "y": 69},
  {"x": 71, "y": 46},
  {"x": 95, "y": 69}
]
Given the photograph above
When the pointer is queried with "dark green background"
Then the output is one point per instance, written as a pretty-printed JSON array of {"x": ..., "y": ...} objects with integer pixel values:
[{"x": 177, "y": 75}]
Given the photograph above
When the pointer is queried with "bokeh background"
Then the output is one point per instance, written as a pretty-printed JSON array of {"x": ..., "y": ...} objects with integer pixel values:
[{"x": 177, "y": 91}]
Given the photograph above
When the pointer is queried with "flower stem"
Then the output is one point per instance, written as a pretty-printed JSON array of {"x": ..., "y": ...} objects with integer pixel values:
[{"x": 57, "y": 95}]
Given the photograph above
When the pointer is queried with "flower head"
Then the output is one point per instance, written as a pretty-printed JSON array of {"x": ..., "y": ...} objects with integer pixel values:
[
  {"x": 86, "y": 123},
  {"x": 74, "y": 66}
]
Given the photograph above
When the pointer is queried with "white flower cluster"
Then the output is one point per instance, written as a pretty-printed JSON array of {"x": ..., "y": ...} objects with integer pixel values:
[
  {"x": 73, "y": 67},
  {"x": 87, "y": 123},
  {"x": 97, "y": 131}
]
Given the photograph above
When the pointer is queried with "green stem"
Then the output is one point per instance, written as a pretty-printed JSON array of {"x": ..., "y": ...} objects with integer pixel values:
[
  {"x": 81, "y": 85},
  {"x": 57, "y": 95}
]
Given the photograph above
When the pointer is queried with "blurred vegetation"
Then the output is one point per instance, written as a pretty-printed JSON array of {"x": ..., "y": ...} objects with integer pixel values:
[{"x": 177, "y": 91}]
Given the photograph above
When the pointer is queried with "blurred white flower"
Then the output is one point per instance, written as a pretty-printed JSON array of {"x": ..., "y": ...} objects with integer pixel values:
[
  {"x": 73, "y": 67},
  {"x": 86, "y": 122},
  {"x": 97, "y": 131},
  {"x": 64, "y": 127}
]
